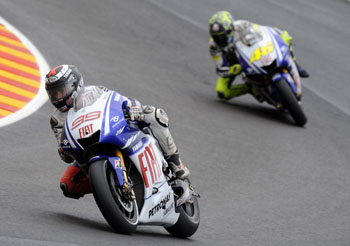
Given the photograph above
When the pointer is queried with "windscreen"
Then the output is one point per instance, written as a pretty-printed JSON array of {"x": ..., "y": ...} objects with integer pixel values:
[
  {"x": 87, "y": 96},
  {"x": 250, "y": 36}
]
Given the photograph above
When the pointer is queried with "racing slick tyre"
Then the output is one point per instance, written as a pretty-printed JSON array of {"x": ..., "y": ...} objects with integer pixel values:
[
  {"x": 188, "y": 221},
  {"x": 120, "y": 213},
  {"x": 290, "y": 102}
]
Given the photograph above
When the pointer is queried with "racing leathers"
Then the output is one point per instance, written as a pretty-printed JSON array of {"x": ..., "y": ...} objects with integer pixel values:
[
  {"x": 74, "y": 182},
  {"x": 228, "y": 67}
]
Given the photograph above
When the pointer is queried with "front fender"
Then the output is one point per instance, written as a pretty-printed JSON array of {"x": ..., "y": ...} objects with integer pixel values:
[
  {"x": 115, "y": 162},
  {"x": 278, "y": 76}
]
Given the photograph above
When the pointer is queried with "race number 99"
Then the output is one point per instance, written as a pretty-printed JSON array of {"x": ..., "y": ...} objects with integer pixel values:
[{"x": 84, "y": 118}]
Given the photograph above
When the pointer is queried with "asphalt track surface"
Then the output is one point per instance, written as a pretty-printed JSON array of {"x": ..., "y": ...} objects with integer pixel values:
[{"x": 263, "y": 181}]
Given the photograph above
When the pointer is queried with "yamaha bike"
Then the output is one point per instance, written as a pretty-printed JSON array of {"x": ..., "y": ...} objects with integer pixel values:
[
  {"x": 269, "y": 68},
  {"x": 130, "y": 180}
]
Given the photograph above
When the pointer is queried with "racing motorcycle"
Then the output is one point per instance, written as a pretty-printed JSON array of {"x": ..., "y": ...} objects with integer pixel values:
[
  {"x": 269, "y": 68},
  {"x": 130, "y": 180}
]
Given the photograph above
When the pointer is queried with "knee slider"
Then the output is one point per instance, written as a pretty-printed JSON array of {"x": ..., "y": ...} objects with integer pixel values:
[{"x": 221, "y": 95}]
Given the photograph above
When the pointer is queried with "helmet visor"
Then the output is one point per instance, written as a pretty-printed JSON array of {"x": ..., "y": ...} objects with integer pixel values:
[
  {"x": 59, "y": 94},
  {"x": 220, "y": 40}
]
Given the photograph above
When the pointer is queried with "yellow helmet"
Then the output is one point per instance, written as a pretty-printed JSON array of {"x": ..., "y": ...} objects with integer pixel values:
[{"x": 221, "y": 28}]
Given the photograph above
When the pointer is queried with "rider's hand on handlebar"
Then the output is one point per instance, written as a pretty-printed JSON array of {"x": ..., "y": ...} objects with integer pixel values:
[
  {"x": 133, "y": 111},
  {"x": 230, "y": 48}
]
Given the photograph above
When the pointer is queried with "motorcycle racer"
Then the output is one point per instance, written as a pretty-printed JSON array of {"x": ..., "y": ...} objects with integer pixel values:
[
  {"x": 65, "y": 87},
  {"x": 224, "y": 32}
]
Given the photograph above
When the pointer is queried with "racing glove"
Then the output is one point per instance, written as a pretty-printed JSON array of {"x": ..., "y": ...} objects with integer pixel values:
[
  {"x": 133, "y": 110},
  {"x": 235, "y": 69},
  {"x": 286, "y": 37},
  {"x": 229, "y": 71}
]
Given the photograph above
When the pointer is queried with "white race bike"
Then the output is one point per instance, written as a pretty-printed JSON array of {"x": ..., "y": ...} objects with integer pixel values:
[{"x": 130, "y": 179}]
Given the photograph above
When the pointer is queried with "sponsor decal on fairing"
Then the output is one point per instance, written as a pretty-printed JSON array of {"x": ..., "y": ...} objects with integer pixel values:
[
  {"x": 137, "y": 146},
  {"x": 85, "y": 130},
  {"x": 149, "y": 165},
  {"x": 168, "y": 209},
  {"x": 115, "y": 118},
  {"x": 159, "y": 206}
]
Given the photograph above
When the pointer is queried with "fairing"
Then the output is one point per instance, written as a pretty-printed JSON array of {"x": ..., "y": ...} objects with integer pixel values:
[
  {"x": 103, "y": 120},
  {"x": 261, "y": 53}
]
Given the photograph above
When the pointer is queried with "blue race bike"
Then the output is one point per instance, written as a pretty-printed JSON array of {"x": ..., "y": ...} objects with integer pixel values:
[
  {"x": 129, "y": 177},
  {"x": 269, "y": 68}
]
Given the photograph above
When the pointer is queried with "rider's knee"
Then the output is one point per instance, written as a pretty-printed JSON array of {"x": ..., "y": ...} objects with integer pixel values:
[
  {"x": 74, "y": 183},
  {"x": 222, "y": 83}
]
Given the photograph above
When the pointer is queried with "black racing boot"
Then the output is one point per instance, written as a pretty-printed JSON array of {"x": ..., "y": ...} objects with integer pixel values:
[{"x": 180, "y": 170}]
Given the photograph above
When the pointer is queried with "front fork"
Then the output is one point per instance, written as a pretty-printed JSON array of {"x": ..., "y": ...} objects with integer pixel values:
[
  {"x": 127, "y": 186},
  {"x": 284, "y": 74},
  {"x": 118, "y": 164}
]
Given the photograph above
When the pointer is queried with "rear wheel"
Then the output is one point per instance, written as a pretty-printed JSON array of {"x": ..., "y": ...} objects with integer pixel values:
[
  {"x": 121, "y": 213},
  {"x": 188, "y": 221},
  {"x": 290, "y": 102}
]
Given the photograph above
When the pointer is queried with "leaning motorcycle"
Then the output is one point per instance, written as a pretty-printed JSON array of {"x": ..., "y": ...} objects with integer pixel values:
[
  {"x": 269, "y": 68},
  {"x": 130, "y": 180}
]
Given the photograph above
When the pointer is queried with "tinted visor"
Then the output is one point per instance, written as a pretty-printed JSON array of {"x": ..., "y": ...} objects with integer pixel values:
[
  {"x": 59, "y": 94},
  {"x": 220, "y": 40}
]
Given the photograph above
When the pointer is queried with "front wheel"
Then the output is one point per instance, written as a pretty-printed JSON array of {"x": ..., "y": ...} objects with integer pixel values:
[
  {"x": 120, "y": 213},
  {"x": 188, "y": 221},
  {"x": 290, "y": 102}
]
